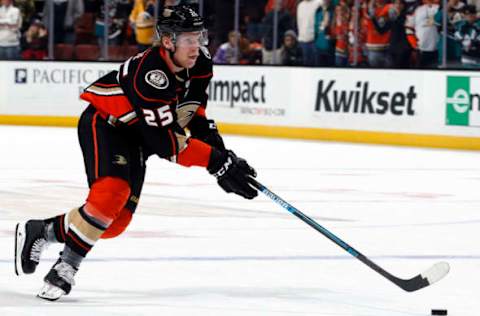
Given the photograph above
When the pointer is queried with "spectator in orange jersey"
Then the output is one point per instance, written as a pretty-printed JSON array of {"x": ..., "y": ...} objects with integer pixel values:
[
  {"x": 399, "y": 49},
  {"x": 340, "y": 33},
  {"x": 377, "y": 43}
]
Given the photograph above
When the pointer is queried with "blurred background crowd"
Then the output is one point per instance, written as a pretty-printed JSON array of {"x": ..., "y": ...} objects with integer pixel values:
[{"x": 340, "y": 33}]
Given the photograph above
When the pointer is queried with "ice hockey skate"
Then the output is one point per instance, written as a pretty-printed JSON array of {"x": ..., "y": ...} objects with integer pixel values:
[
  {"x": 29, "y": 244},
  {"x": 58, "y": 281}
]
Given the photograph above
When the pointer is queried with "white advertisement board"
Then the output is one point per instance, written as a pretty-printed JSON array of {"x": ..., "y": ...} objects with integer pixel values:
[
  {"x": 392, "y": 101},
  {"x": 317, "y": 98},
  {"x": 397, "y": 101},
  {"x": 252, "y": 95},
  {"x": 47, "y": 88}
]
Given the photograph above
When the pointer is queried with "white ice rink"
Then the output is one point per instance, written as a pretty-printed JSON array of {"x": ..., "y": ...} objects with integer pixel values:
[{"x": 193, "y": 250}]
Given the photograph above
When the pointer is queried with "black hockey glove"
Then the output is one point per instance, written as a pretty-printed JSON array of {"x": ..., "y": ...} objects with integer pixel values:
[
  {"x": 206, "y": 131},
  {"x": 232, "y": 173}
]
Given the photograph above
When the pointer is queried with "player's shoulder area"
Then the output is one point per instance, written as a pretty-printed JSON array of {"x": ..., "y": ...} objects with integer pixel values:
[
  {"x": 150, "y": 65},
  {"x": 151, "y": 59},
  {"x": 150, "y": 75}
]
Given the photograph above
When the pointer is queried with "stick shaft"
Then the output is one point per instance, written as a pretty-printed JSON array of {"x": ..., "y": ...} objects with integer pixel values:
[{"x": 355, "y": 253}]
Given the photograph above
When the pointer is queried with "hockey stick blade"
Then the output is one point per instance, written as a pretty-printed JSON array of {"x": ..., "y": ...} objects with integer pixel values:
[{"x": 432, "y": 275}]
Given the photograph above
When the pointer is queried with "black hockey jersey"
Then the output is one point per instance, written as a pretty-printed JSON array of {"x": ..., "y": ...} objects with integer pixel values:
[{"x": 145, "y": 94}]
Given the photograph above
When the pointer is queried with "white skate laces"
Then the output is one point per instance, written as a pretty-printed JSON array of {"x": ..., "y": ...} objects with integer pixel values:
[
  {"x": 37, "y": 248},
  {"x": 29, "y": 246}
]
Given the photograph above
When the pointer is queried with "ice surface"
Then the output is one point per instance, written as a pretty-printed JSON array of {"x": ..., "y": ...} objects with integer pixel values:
[{"x": 193, "y": 250}]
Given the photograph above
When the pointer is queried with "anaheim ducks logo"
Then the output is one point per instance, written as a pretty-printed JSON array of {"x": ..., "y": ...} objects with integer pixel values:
[
  {"x": 185, "y": 112},
  {"x": 157, "y": 79}
]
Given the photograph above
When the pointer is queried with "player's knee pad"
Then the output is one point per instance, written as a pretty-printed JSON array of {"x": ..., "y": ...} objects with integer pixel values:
[
  {"x": 107, "y": 197},
  {"x": 119, "y": 225}
]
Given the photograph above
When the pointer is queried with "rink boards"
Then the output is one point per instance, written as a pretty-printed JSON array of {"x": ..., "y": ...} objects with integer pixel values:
[{"x": 420, "y": 108}]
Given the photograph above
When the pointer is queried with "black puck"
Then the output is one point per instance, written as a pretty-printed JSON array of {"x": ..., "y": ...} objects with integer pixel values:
[{"x": 439, "y": 312}]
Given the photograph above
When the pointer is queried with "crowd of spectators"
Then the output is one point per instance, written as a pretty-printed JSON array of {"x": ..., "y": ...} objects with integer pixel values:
[
  {"x": 370, "y": 33},
  {"x": 79, "y": 29},
  {"x": 375, "y": 33}
]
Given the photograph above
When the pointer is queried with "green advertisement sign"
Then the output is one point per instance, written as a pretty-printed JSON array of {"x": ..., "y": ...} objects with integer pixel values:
[{"x": 463, "y": 101}]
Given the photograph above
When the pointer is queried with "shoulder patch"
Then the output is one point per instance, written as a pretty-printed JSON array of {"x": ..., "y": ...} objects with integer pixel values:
[
  {"x": 205, "y": 52},
  {"x": 157, "y": 79}
]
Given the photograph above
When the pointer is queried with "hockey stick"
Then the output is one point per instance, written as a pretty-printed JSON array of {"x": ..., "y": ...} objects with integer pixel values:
[{"x": 432, "y": 275}]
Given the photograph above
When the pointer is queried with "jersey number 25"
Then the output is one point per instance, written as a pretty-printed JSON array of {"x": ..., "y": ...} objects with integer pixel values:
[{"x": 161, "y": 116}]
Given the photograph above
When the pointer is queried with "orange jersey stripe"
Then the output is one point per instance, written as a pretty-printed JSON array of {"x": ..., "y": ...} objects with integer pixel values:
[{"x": 116, "y": 105}]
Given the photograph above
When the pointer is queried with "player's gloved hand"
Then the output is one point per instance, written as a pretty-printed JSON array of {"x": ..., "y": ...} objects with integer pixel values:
[
  {"x": 232, "y": 173},
  {"x": 207, "y": 132}
]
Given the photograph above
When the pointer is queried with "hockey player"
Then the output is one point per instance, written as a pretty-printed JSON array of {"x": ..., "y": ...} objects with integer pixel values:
[{"x": 140, "y": 110}]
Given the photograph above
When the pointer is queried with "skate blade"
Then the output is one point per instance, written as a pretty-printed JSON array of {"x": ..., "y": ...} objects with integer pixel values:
[
  {"x": 20, "y": 233},
  {"x": 50, "y": 292}
]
